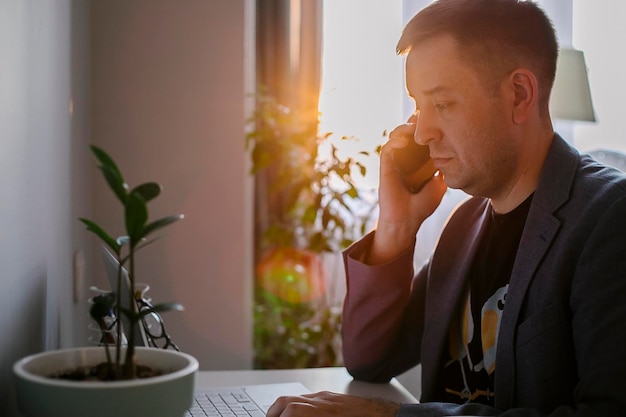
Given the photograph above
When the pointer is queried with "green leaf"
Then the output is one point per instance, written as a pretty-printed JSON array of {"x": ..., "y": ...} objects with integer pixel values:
[
  {"x": 144, "y": 242},
  {"x": 105, "y": 160},
  {"x": 362, "y": 168},
  {"x": 352, "y": 192},
  {"x": 136, "y": 216},
  {"x": 346, "y": 242},
  {"x": 102, "y": 234},
  {"x": 116, "y": 183},
  {"x": 339, "y": 222},
  {"x": 162, "y": 307},
  {"x": 338, "y": 197},
  {"x": 326, "y": 217},
  {"x": 111, "y": 172},
  {"x": 317, "y": 242},
  {"x": 148, "y": 191},
  {"x": 310, "y": 214},
  {"x": 158, "y": 224}
]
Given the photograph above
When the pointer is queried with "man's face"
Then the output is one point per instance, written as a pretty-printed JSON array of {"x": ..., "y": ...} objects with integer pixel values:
[{"x": 466, "y": 126}]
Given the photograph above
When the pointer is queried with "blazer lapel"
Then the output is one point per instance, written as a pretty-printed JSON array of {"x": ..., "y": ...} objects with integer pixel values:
[
  {"x": 446, "y": 291},
  {"x": 539, "y": 232}
]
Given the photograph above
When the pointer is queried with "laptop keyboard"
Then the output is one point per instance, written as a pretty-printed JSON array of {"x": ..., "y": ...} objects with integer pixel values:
[{"x": 231, "y": 404}]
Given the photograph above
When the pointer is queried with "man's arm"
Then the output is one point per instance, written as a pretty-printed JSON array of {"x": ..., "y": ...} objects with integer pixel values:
[
  {"x": 379, "y": 272},
  {"x": 379, "y": 341}
]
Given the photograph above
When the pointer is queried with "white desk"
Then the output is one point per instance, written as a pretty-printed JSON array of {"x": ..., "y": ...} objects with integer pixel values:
[{"x": 315, "y": 379}]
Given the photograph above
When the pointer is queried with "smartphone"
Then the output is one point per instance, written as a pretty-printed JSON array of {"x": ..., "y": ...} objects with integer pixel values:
[{"x": 415, "y": 166}]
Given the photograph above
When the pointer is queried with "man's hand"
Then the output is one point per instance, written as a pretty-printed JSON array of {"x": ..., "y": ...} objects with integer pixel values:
[
  {"x": 401, "y": 212},
  {"x": 328, "y": 404}
]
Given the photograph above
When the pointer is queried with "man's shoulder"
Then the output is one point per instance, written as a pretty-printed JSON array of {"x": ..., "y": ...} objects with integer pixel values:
[
  {"x": 593, "y": 174},
  {"x": 571, "y": 178}
]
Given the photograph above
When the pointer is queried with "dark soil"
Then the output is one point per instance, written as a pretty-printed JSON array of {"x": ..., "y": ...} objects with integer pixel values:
[{"x": 101, "y": 372}]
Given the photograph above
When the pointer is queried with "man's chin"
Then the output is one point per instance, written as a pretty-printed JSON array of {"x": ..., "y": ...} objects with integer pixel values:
[{"x": 457, "y": 184}]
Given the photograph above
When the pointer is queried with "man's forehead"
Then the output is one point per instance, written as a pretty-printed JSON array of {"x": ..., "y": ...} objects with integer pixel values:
[{"x": 435, "y": 66}]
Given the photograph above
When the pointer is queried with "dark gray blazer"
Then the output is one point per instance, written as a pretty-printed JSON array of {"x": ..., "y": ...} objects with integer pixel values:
[{"x": 562, "y": 343}]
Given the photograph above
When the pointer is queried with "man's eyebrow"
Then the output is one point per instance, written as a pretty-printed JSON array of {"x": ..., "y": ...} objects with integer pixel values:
[{"x": 434, "y": 90}]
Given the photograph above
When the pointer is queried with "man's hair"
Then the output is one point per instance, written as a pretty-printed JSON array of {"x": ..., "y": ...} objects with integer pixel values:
[{"x": 495, "y": 37}]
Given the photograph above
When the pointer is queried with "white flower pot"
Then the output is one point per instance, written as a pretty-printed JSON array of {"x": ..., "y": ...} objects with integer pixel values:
[{"x": 168, "y": 395}]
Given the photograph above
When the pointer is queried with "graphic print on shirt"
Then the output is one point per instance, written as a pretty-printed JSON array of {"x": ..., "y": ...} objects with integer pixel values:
[
  {"x": 475, "y": 368},
  {"x": 491, "y": 315}
]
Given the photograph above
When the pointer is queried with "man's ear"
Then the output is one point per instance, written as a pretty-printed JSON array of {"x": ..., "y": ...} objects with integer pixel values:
[{"x": 526, "y": 92}]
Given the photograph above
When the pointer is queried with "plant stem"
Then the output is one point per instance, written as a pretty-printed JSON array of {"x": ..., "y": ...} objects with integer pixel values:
[
  {"x": 129, "y": 364},
  {"x": 118, "y": 342}
]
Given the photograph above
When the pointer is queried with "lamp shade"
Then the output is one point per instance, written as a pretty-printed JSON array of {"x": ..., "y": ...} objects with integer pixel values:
[{"x": 571, "y": 97}]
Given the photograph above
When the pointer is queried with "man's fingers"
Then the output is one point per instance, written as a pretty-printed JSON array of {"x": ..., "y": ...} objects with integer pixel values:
[
  {"x": 283, "y": 406},
  {"x": 401, "y": 135}
]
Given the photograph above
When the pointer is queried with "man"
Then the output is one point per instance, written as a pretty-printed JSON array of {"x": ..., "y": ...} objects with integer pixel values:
[{"x": 521, "y": 310}]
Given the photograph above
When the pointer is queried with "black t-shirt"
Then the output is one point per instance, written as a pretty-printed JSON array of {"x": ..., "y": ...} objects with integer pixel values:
[{"x": 469, "y": 370}]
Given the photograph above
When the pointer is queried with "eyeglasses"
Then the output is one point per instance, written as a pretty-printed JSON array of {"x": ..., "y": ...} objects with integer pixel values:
[
  {"x": 152, "y": 323},
  {"x": 154, "y": 327}
]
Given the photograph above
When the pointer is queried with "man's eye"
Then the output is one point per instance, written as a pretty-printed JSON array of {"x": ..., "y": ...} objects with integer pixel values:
[{"x": 441, "y": 106}]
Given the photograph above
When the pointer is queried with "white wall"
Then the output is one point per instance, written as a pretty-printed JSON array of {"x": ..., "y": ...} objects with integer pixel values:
[
  {"x": 42, "y": 177},
  {"x": 167, "y": 100},
  {"x": 168, "y": 105}
]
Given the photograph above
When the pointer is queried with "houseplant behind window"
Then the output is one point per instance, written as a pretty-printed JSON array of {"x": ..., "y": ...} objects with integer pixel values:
[{"x": 307, "y": 205}]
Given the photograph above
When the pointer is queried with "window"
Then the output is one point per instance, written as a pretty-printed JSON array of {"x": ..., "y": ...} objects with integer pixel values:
[
  {"x": 363, "y": 92},
  {"x": 362, "y": 82},
  {"x": 598, "y": 30}
]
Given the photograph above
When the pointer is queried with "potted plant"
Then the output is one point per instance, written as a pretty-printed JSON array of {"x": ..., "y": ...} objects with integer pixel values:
[
  {"x": 308, "y": 206},
  {"x": 101, "y": 382}
]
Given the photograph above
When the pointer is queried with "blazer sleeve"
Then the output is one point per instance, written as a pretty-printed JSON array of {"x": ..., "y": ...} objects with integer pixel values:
[{"x": 379, "y": 342}]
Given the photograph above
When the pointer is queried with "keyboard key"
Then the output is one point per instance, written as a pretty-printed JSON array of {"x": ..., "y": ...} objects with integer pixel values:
[{"x": 235, "y": 404}]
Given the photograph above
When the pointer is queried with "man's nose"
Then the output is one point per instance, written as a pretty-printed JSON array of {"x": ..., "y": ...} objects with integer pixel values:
[{"x": 425, "y": 130}]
